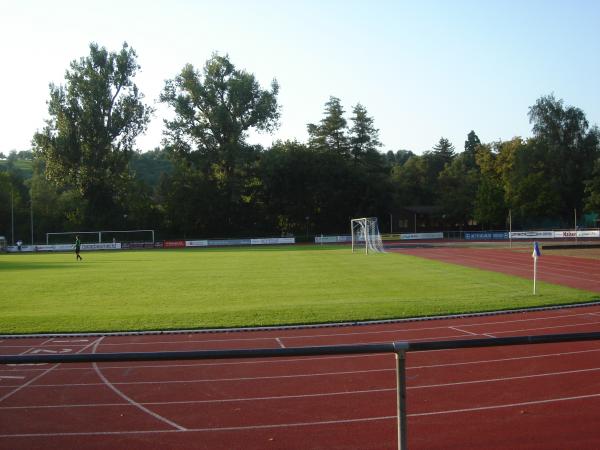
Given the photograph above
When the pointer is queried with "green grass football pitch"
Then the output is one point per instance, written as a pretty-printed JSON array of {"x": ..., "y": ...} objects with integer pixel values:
[{"x": 211, "y": 288}]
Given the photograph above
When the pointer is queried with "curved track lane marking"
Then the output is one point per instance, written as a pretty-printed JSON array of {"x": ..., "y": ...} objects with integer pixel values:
[{"x": 129, "y": 399}]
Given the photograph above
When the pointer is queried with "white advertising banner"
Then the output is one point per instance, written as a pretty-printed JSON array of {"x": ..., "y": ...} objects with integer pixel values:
[
  {"x": 415, "y": 236},
  {"x": 201, "y": 243},
  {"x": 578, "y": 234},
  {"x": 332, "y": 239},
  {"x": 532, "y": 235},
  {"x": 272, "y": 241}
]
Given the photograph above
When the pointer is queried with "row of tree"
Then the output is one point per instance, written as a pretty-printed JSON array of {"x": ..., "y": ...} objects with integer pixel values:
[{"x": 208, "y": 180}]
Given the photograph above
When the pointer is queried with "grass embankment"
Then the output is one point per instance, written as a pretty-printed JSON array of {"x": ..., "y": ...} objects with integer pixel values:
[{"x": 175, "y": 289}]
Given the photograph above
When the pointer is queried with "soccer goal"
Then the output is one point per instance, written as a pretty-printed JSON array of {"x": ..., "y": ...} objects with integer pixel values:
[
  {"x": 104, "y": 236},
  {"x": 365, "y": 232}
]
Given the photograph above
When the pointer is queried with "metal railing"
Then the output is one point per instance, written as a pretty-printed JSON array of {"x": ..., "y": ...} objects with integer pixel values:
[{"x": 398, "y": 348}]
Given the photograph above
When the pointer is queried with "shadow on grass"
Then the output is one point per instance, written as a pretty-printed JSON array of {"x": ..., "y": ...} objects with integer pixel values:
[{"x": 11, "y": 266}]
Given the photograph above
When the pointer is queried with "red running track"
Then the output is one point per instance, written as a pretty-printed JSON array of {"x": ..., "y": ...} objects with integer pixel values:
[
  {"x": 526, "y": 397},
  {"x": 538, "y": 396},
  {"x": 581, "y": 273}
]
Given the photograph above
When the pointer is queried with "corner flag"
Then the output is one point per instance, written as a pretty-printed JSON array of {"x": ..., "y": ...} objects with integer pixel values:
[
  {"x": 536, "y": 250},
  {"x": 535, "y": 254}
]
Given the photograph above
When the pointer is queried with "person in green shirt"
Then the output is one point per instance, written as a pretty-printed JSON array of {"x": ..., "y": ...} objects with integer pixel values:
[{"x": 78, "y": 248}]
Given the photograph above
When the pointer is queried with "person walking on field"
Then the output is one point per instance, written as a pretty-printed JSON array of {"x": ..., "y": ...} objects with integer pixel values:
[{"x": 78, "y": 248}]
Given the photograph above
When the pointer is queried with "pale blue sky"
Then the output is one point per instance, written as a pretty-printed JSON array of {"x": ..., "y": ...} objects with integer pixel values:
[{"x": 423, "y": 69}]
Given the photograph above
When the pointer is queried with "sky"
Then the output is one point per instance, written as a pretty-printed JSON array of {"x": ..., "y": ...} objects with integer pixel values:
[{"x": 423, "y": 69}]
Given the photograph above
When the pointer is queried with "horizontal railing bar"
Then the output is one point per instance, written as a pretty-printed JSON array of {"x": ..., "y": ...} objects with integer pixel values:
[
  {"x": 201, "y": 354},
  {"x": 493, "y": 342},
  {"x": 298, "y": 351}
]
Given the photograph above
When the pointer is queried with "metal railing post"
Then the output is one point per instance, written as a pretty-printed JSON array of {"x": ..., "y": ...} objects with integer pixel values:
[{"x": 400, "y": 351}]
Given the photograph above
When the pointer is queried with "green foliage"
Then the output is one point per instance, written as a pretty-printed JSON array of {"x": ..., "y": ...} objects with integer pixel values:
[
  {"x": 331, "y": 133},
  {"x": 214, "y": 111},
  {"x": 208, "y": 181},
  {"x": 568, "y": 149},
  {"x": 94, "y": 121}
]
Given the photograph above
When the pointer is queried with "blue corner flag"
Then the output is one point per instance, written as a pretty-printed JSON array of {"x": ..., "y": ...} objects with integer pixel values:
[{"x": 536, "y": 250}]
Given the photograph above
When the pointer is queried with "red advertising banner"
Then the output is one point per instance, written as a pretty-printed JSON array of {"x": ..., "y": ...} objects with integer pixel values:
[{"x": 174, "y": 244}]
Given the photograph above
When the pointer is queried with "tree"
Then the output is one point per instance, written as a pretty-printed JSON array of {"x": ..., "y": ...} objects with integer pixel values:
[
  {"x": 569, "y": 149},
  {"x": 444, "y": 152},
  {"x": 398, "y": 158},
  {"x": 471, "y": 145},
  {"x": 94, "y": 121},
  {"x": 331, "y": 133},
  {"x": 214, "y": 111},
  {"x": 364, "y": 137},
  {"x": 456, "y": 185},
  {"x": 592, "y": 190}
]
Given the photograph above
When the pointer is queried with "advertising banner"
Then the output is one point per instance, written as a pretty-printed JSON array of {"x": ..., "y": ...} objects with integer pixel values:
[
  {"x": 486, "y": 235},
  {"x": 272, "y": 241},
  {"x": 174, "y": 244},
  {"x": 203, "y": 243},
  {"x": 415, "y": 236},
  {"x": 578, "y": 234},
  {"x": 532, "y": 235}
]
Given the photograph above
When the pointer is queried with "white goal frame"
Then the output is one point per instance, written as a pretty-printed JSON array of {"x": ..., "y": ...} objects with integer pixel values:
[
  {"x": 366, "y": 230},
  {"x": 98, "y": 233}
]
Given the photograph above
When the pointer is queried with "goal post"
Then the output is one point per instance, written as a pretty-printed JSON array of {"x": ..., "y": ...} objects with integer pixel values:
[
  {"x": 365, "y": 233},
  {"x": 102, "y": 236}
]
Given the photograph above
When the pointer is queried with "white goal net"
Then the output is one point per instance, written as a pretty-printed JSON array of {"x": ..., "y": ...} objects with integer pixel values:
[{"x": 365, "y": 234}]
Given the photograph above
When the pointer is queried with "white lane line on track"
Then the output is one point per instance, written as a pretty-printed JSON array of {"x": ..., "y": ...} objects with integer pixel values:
[
  {"x": 508, "y": 405},
  {"x": 129, "y": 399},
  {"x": 217, "y": 380},
  {"x": 34, "y": 379},
  {"x": 515, "y": 358},
  {"x": 198, "y": 430},
  {"x": 194, "y": 402},
  {"x": 496, "y": 380},
  {"x": 307, "y": 375},
  {"x": 527, "y": 330},
  {"x": 295, "y": 360},
  {"x": 310, "y": 336},
  {"x": 360, "y": 333},
  {"x": 301, "y": 424},
  {"x": 465, "y": 331},
  {"x": 279, "y": 342}
]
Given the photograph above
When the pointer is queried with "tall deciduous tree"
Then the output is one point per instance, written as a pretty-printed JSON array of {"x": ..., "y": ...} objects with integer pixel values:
[
  {"x": 94, "y": 121},
  {"x": 214, "y": 110},
  {"x": 568, "y": 147}
]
